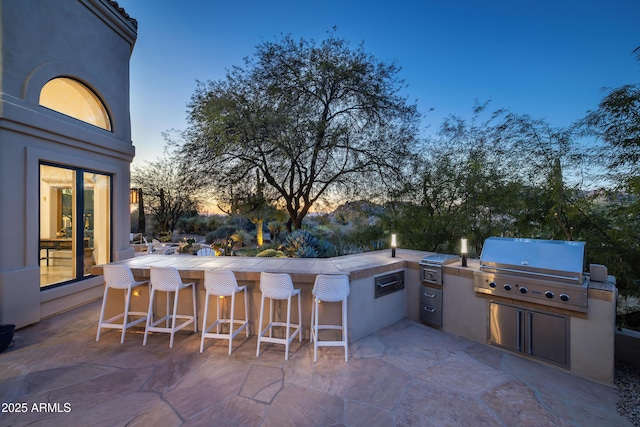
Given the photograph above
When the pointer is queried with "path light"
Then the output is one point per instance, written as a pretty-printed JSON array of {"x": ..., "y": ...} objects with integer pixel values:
[
  {"x": 394, "y": 244},
  {"x": 464, "y": 251}
]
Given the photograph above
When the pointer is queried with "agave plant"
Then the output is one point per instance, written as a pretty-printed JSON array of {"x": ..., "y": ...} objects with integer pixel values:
[
  {"x": 305, "y": 252},
  {"x": 301, "y": 244}
]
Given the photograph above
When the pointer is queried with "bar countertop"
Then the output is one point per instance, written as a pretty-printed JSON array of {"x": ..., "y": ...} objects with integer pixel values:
[{"x": 305, "y": 269}]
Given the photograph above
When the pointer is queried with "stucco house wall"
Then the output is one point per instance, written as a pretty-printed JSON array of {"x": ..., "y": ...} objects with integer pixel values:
[{"x": 90, "y": 41}]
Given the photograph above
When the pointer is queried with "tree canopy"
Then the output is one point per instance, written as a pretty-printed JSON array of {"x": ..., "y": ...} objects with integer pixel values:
[
  {"x": 171, "y": 190},
  {"x": 616, "y": 122},
  {"x": 313, "y": 119}
]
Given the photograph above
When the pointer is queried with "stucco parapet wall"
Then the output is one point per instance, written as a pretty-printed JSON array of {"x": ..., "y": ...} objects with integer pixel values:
[
  {"x": 302, "y": 270},
  {"x": 116, "y": 17}
]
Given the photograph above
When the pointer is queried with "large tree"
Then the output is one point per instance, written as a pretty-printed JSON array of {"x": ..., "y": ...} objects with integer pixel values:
[
  {"x": 616, "y": 122},
  {"x": 313, "y": 119},
  {"x": 171, "y": 188}
]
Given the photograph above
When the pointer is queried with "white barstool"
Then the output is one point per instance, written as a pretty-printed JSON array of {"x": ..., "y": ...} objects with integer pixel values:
[
  {"x": 278, "y": 286},
  {"x": 119, "y": 277},
  {"x": 206, "y": 252},
  {"x": 222, "y": 283},
  {"x": 167, "y": 279},
  {"x": 329, "y": 288}
]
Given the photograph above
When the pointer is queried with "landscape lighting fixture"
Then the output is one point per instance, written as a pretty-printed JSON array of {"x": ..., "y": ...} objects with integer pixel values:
[
  {"x": 464, "y": 251},
  {"x": 394, "y": 244},
  {"x": 133, "y": 196}
]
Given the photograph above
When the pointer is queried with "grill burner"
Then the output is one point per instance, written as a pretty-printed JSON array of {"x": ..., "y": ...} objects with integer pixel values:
[{"x": 546, "y": 272}]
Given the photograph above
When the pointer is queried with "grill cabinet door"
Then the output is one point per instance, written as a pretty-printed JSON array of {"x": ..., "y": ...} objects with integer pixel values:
[
  {"x": 547, "y": 337},
  {"x": 505, "y": 326}
]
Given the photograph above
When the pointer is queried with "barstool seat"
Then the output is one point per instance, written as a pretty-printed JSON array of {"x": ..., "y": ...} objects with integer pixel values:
[
  {"x": 119, "y": 277},
  {"x": 278, "y": 286},
  {"x": 329, "y": 288},
  {"x": 167, "y": 279},
  {"x": 222, "y": 283}
]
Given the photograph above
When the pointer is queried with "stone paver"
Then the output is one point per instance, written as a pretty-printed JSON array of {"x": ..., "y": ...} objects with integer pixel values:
[{"x": 406, "y": 374}]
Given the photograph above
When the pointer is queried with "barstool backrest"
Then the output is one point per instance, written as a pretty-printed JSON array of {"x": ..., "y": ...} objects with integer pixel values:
[
  {"x": 165, "y": 279},
  {"x": 220, "y": 282},
  {"x": 117, "y": 276},
  {"x": 206, "y": 252},
  {"x": 331, "y": 287},
  {"x": 276, "y": 285}
]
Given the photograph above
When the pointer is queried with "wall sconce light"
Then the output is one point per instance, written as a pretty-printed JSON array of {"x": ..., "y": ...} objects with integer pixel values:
[
  {"x": 464, "y": 251},
  {"x": 133, "y": 196},
  {"x": 394, "y": 244}
]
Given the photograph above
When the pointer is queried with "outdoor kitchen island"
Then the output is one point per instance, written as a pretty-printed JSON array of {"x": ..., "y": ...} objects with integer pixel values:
[{"x": 465, "y": 313}]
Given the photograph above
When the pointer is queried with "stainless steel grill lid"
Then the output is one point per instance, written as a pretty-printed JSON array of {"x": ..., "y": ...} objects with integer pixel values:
[{"x": 557, "y": 259}]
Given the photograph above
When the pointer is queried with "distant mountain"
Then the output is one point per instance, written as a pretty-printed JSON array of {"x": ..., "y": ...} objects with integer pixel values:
[{"x": 360, "y": 207}]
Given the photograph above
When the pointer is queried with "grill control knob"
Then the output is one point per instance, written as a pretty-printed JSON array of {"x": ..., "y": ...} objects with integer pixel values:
[
  {"x": 492, "y": 284},
  {"x": 564, "y": 297},
  {"x": 507, "y": 287},
  {"x": 523, "y": 290},
  {"x": 549, "y": 294}
]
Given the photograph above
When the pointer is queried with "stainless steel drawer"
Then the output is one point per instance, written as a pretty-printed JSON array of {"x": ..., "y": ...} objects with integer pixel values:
[{"x": 431, "y": 306}]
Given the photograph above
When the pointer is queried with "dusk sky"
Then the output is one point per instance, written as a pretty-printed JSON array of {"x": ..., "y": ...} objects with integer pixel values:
[{"x": 548, "y": 59}]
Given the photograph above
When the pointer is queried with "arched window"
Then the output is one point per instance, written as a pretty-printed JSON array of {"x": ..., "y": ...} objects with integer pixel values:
[{"x": 72, "y": 98}]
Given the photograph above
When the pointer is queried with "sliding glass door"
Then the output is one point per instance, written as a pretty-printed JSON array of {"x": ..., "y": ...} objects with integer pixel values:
[{"x": 75, "y": 223}]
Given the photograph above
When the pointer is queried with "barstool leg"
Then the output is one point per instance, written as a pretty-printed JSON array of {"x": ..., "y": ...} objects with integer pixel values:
[
  {"x": 195, "y": 310},
  {"x": 173, "y": 320},
  {"x": 287, "y": 333},
  {"x": 149, "y": 316},
  {"x": 315, "y": 330},
  {"x": 127, "y": 301},
  {"x": 270, "y": 317},
  {"x": 218, "y": 313},
  {"x": 344, "y": 330},
  {"x": 313, "y": 310},
  {"x": 104, "y": 302},
  {"x": 204, "y": 320},
  {"x": 233, "y": 305},
  {"x": 246, "y": 312},
  {"x": 299, "y": 318},
  {"x": 260, "y": 325}
]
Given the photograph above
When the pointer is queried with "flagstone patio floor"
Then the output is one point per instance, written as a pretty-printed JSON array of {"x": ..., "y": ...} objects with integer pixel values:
[{"x": 407, "y": 374}]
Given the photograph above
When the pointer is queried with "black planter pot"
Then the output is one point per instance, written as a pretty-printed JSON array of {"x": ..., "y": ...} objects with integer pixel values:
[{"x": 6, "y": 336}]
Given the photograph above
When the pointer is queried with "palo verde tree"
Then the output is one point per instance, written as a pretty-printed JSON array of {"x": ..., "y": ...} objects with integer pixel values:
[{"x": 312, "y": 118}]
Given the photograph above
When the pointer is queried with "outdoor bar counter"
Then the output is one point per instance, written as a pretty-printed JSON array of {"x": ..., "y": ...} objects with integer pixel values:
[
  {"x": 464, "y": 312},
  {"x": 366, "y": 313}
]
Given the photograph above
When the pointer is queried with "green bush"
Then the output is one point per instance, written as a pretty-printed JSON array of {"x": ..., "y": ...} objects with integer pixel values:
[
  {"x": 242, "y": 237},
  {"x": 198, "y": 224},
  {"x": 271, "y": 253},
  {"x": 223, "y": 232}
]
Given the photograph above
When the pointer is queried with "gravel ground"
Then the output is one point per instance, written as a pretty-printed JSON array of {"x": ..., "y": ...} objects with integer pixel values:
[{"x": 627, "y": 379}]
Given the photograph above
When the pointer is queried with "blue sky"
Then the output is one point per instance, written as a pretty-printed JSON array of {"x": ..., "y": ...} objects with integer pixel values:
[{"x": 548, "y": 59}]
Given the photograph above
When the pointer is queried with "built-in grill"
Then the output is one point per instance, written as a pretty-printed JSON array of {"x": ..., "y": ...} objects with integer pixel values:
[
  {"x": 545, "y": 272},
  {"x": 432, "y": 277}
]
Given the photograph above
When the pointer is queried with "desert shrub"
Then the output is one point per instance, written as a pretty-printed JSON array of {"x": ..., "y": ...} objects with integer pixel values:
[
  {"x": 223, "y": 232},
  {"x": 275, "y": 227},
  {"x": 271, "y": 253},
  {"x": 326, "y": 249},
  {"x": 198, "y": 224},
  {"x": 165, "y": 237},
  {"x": 303, "y": 244},
  {"x": 241, "y": 237}
]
